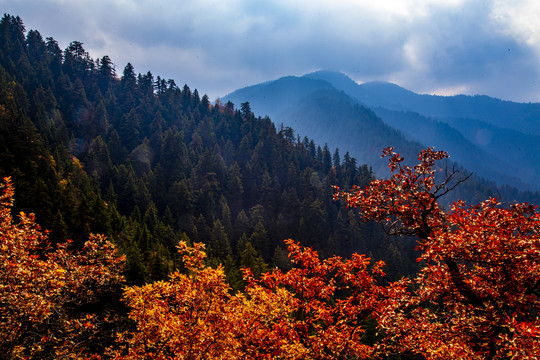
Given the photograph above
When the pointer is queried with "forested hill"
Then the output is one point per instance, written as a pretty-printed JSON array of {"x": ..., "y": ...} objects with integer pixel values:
[
  {"x": 491, "y": 137},
  {"x": 483, "y": 135},
  {"x": 147, "y": 163}
]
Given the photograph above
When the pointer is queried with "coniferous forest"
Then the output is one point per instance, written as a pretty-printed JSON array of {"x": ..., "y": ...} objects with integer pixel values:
[
  {"x": 93, "y": 147},
  {"x": 147, "y": 163}
]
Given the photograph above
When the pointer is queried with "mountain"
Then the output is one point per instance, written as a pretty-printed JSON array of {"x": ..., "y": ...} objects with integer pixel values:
[
  {"x": 506, "y": 114},
  {"x": 314, "y": 108},
  {"x": 372, "y": 94},
  {"x": 278, "y": 94},
  {"x": 493, "y": 138},
  {"x": 507, "y": 131}
]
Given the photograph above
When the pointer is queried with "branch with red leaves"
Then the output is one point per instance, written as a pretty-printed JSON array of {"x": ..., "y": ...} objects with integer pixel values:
[{"x": 478, "y": 295}]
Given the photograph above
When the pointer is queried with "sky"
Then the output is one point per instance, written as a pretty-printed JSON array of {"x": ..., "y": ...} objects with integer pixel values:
[{"x": 443, "y": 47}]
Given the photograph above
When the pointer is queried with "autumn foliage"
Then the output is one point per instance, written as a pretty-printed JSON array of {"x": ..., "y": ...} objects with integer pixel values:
[
  {"x": 329, "y": 302},
  {"x": 50, "y": 296},
  {"x": 475, "y": 297},
  {"x": 478, "y": 295},
  {"x": 190, "y": 316},
  {"x": 315, "y": 311}
]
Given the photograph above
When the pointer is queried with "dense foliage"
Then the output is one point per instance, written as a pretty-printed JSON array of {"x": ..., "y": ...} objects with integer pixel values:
[
  {"x": 478, "y": 294},
  {"x": 147, "y": 163},
  {"x": 54, "y": 302}
]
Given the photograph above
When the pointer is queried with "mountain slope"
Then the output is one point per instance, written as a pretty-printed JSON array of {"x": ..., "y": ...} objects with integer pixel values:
[
  {"x": 508, "y": 156},
  {"x": 334, "y": 118},
  {"x": 321, "y": 112},
  {"x": 506, "y": 114},
  {"x": 462, "y": 148}
]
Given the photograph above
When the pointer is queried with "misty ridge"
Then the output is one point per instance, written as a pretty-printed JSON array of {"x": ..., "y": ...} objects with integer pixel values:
[{"x": 495, "y": 139}]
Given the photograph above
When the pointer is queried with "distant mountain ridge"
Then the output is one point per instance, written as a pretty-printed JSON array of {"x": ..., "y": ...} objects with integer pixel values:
[
  {"x": 495, "y": 139},
  {"x": 390, "y": 96},
  {"x": 316, "y": 109}
]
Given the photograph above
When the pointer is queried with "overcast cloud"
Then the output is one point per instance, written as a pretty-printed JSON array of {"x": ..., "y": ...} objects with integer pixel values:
[{"x": 487, "y": 47}]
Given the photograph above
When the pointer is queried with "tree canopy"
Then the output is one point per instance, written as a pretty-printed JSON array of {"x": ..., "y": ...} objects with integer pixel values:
[{"x": 478, "y": 293}]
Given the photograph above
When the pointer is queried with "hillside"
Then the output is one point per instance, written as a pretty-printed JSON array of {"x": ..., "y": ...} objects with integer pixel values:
[
  {"x": 147, "y": 163},
  {"x": 506, "y": 114},
  {"x": 505, "y": 155}
]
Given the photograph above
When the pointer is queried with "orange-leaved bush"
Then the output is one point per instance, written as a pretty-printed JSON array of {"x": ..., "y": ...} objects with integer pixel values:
[
  {"x": 328, "y": 306},
  {"x": 317, "y": 310},
  {"x": 478, "y": 294},
  {"x": 190, "y": 316},
  {"x": 51, "y": 298}
]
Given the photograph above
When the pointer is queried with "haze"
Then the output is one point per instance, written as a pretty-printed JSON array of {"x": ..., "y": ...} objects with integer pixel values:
[{"x": 443, "y": 47}]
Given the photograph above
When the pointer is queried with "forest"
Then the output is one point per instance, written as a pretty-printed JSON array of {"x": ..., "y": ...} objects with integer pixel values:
[{"x": 162, "y": 219}]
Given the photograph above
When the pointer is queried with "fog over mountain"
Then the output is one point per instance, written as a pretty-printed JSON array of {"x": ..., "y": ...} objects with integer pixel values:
[{"x": 495, "y": 139}]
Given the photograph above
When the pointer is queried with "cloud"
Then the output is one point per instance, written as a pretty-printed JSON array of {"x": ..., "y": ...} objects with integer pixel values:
[
  {"x": 490, "y": 47},
  {"x": 466, "y": 49},
  {"x": 519, "y": 19}
]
